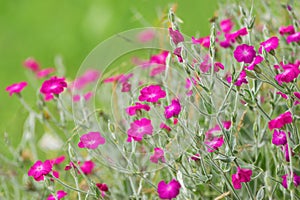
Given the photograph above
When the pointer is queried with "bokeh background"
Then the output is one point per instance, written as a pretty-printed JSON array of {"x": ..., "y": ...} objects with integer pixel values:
[{"x": 72, "y": 28}]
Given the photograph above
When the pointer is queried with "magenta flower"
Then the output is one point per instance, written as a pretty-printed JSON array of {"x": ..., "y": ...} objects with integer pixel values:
[
  {"x": 296, "y": 180},
  {"x": 16, "y": 88},
  {"x": 165, "y": 126},
  {"x": 218, "y": 66},
  {"x": 244, "y": 53},
  {"x": 293, "y": 38},
  {"x": 139, "y": 128},
  {"x": 87, "y": 96},
  {"x": 177, "y": 52},
  {"x": 126, "y": 87},
  {"x": 195, "y": 157},
  {"x": 205, "y": 65},
  {"x": 159, "y": 58},
  {"x": 87, "y": 167},
  {"x": 40, "y": 169},
  {"x": 103, "y": 188},
  {"x": 285, "y": 150},
  {"x": 158, "y": 70},
  {"x": 91, "y": 140},
  {"x": 58, "y": 160},
  {"x": 225, "y": 43},
  {"x": 176, "y": 36},
  {"x": 226, "y": 25},
  {"x": 257, "y": 60},
  {"x": 279, "y": 137},
  {"x": 282, "y": 95},
  {"x": 242, "y": 176},
  {"x": 214, "y": 143},
  {"x": 269, "y": 45},
  {"x": 203, "y": 41},
  {"x": 152, "y": 93},
  {"x": 290, "y": 73},
  {"x": 232, "y": 37},
  {"x": 89, "y": 76},
  {"x": 32, "y": 64},
  {"x": 297, "y": 94},
  {"x": 158, "y": 155},
  {"x": 53, "y": 85},
  {"x": 173, "y": 109},
  {"x": 44, "y": 72},
  {"x": 168, "y": 190},
  {"x": 59, "y": 195},
  {"x": 146, "y": 35},
  {"x": 281, "y": 120},
  {"x": 241, "y": 79},
  {"x": 131, "y": 110},
  {"x": 286, "y": 30}
]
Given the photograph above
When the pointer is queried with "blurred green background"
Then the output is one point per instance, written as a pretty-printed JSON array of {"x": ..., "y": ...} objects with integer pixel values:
[{"x": 72, "y": 28}]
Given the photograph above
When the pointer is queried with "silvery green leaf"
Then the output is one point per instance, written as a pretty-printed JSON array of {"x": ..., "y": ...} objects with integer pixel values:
[{"x": 260, "y": 194}]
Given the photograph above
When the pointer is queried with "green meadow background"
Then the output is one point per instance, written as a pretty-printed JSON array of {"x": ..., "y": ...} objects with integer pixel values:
[{"x": 72, "y": 28}]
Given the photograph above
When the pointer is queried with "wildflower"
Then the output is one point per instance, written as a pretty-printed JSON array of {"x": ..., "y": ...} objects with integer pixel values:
[
  {"x": 232, "y": 37},
  {"x": 139, "y": 128},
  {"x": 242, "y": 176},
  {"x": 218, "y": 66},
  {"x": 126, "y": 87},
  {"x": 204, "y": 41},
  {"x": 89, "y": 76},
  {"x": 225, "y": 43},
  {"x": 58, "y": 160},
  {"x": 44, "y": 72},
  {"x": 290, "y": 73},
  {"x": 177, "y": 52},
  {"x": 205, "y": 65},
  {"x": 282, "y": 95},
  {"x": 159, "y": 59},
  {"x": 31, "y": 64},
  {"x": 173, "y": 109},
  {"x": 91, "y": 140},
  {"x": 16, "y": 88},
  {"x": 296, "y": 180},
  {"x": 103, "y": 188},
  {"x": 40, "y": 169},
  {"x": 297, "y": 94},
  {"x": 176, "y": 36},
  {"x": 131, "y": 110},
  {"x": 112, "y": 79},
  {"x": 146, "y": 35},
  {"x": 244, "y": 53},
  {"x": 76, "y": 98},
  {"x": 53, "y": 85},
  {"x": 279, "y": 137},
  {"x": 59, "y": 195},
  {"x": 286, "y": 30},
  {"x": 258, "y": 59},
  {"x": 157, "y": 70},
  {"x": 285, "y": 150},
  {"x": 164, "y": 126},
  {"x": 196, "y": 157},
  {"x": 87, "y": 96},
  {"x": 214, "y": 143},
  {"x": 168, "y": 190},
  {"x": 158, "y": 155},
  {"x": 269, "y": 45},
  {"x": 226, "y": 25},
  {"x": 281, "y": 120},
  {"x": 241, "y": 79},
  {"x": 152, "y": 93},
  {"x": 87, "y": 167},
  {"x": 293, "y": 38}
]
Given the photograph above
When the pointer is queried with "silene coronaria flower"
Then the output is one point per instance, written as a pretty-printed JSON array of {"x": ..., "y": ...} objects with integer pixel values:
[
  {"x": 244, "y": 53},
  {"x": 269, "y": 45},
  {"x": 296, "y": 180},
  {"x": 168, "y": 190},
  {"x": 59, "y": 195},
  {"x": 16, "y": 88},
  {"x": 138, "y": 129},
  {"x": 132, "y": 110},
  {"x": 176, "y": 36},
  {"x": 242, "y": 176},
  {"x": 40, "y": 169},
  {"x": 173, "y": 110},
  {"x": 91, "y": 140},
  {"x": 281, "y": 120},
  {"x": 152, "y": 94},
  {"x": 279, "y": 137},
  {"x": 54, "y": 85},
  {"x": 158, "y": 155}
]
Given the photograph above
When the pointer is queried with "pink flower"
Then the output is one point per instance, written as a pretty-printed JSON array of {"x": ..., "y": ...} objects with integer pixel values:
[
  {"x": 269, "y": 45},
  {"x": 290, "y": 73},
  {"x": 241, "y": 79},
  {"x": 285, "y": 150},
  {"x": 206, "y": 64},
  {"x": 282, "y": 95},
  {"x": 286, "y": 30},
  {"x": 59, "y": 195},
  {"x": 258, "y": 59},
  {"x": 31, "y": 64},
  {"x": 112, "y": 79},
  {"x": 87, "y": 96},
  {"x": 214, "y": 144},
  {"x": 40, "y": 169},
  {"x": 165, "y": 126},
  {"x": 173, "y": 109},
  {"x": 126, "y": 87},
  {"x": 58, "y": 160},
  {"x": 281, "y": 120},
  {"x": 226, "y": 25},
  {"x": 196, "y": 157},
  {"x": 293, "y": 38},
  {"x": 102, "y": 187},
  {"x": 244, "y": 53},
  {"x": 176, "y": 36},
  {"x": 87, "y": 167},
  {"x": 177, "y": 52},
  {"x": 157, "y": 70},
  {"x": 296, "y": 180},
  {"x": 91, "y": 75},
  {"x": 131, "y": 110},
  {"x": 48, "y": 97},
  {"x": 225, "y": 43},
  {"x": 279, "y": 137},
  {"x": 158, "y": 155},
  {"x": 297, "y": 94},
  {"x": 44, "y": 72},
  {"x": 152, "y": 93},
  {"x": 139, "y": 128},
  {"x": 146, "y": 35},
  {"x": 168, "y": 190},
  {"x": 159, "y": 58},
  {"x": 204, "y": 41},
  {"x": 231, "y": 37},
  {"x": 53, "y": 85},
  {"x": 218, "y": 66},
  {"x": 242, "y": 176},
  {"x": 76, "y": 98},
  {"x": 16, "y": 88},
  {"x": 91, "y": 140}
]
